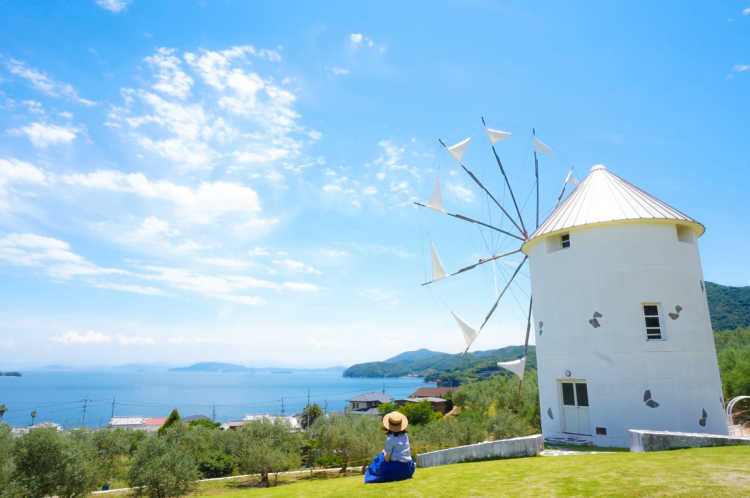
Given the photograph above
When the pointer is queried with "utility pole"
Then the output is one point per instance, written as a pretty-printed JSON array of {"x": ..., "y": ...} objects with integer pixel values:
[
  {"x": 282, "y": 405},
  {"x": 113, "y": 406},
  {"x": 83, "y": 417},
  {"x": 308, "y": 396},
  {"x": 213, "y": 413},
  {"x": 325, "y": 407}
]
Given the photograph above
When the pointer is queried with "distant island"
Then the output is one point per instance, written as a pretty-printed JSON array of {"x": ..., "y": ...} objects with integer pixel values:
[
  {"x": 213, "y": 366},
  {"x": 10, "y": 374},
  {"x": 219, "y": 367}
]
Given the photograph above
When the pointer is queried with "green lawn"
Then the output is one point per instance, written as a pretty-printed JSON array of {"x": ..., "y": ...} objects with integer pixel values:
[{"x": 698, "y": 472}]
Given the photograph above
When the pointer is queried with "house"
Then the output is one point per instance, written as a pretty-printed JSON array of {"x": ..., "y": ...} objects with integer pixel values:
[
  {"x": 19, "y": 431},
  {"x": 368, "y": 401},
  {"x": 138, "y": 423},
  {"x": 292, "y": 421},
  {"x": 433, "y": 392},
  {"x": 438, "y": 404},
  {"x": 622, "y": 330}
]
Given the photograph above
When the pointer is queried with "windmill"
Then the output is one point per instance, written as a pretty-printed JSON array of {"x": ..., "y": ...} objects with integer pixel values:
[{"x": 516, "y": 232}]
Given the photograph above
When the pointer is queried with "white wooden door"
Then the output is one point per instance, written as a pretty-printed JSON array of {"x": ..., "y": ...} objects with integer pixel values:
[{"x": 575, "y": 409}]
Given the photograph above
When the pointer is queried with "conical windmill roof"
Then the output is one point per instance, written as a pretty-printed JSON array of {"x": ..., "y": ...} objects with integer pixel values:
[{"x": 605, "y": 198}]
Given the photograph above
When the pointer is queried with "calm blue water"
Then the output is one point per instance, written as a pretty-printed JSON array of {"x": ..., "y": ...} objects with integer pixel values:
[{"x": 58, "y": 396}]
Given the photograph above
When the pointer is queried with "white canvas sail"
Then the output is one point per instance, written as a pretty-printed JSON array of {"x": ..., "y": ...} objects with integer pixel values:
[
  {"x": 497, "y": 135},
  {"x": 457, "y": 151},
  {"x": 436, "y": 199},
  {"x": 516, "y": 366},
  {"x": 540, "y": 146},
  {"x": 469, "y": 332},
  {"x": 438, "y": 271}
]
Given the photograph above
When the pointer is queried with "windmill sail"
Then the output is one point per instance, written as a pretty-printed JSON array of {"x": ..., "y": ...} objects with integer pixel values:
[
  {"x": 469, "y": 332},
  {"x": 516, "y": 366},
  {"x": 436, "y": 199},
  {"x": 540, "y": 146},
  {"x": 457, "y": 151},
  {"x": 497, "y": 135},
  {"x": 438, "y": 272}
]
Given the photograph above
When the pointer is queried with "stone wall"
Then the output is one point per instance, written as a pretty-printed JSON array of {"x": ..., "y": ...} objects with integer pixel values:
[
  {"x": 505, "y": 448},
  {"x": 661, "y": 440}
]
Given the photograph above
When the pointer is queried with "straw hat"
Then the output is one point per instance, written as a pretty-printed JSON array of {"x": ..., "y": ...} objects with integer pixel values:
[{"x": 395, "y": 422}]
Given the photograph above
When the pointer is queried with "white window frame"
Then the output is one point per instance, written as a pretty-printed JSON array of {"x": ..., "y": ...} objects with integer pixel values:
[{"x": 662, "y": 332}]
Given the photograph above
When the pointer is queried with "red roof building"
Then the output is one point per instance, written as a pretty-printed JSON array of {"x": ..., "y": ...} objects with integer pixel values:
[{"x": 432, "y": 392}]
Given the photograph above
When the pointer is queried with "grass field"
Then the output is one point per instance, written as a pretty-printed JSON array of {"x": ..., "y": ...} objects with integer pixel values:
[{"x": 697, "y": 472}]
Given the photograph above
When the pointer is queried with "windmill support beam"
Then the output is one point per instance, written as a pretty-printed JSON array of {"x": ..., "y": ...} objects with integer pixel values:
[
  {"x": 480, "y": 262},
  {"x": 497, "y": 301},
  {"x": 471, "y": 220}
]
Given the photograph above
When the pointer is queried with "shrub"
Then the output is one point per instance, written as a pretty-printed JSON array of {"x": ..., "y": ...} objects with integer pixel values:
[{"x": 215, "y": 464}]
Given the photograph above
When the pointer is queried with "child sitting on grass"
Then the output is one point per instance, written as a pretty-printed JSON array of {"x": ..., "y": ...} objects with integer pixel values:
[{"x": 394, "y": 463}]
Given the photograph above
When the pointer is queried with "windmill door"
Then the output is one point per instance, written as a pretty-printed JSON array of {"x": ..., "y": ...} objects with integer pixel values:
[{"x": 575, "y": 409}]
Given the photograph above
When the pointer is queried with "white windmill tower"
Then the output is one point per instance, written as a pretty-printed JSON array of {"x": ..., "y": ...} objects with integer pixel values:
[
  {"x": 624, "y": 338},
  {"x": 622, "y": 329}
]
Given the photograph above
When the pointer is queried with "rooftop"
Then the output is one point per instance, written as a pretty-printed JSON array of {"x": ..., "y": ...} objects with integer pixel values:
[
  {"x": 373, "y": 396},
  {"x": 603, "y": 197}
]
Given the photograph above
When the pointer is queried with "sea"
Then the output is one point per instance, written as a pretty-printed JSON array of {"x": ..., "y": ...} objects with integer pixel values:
[{"x": 76, "y": 398}]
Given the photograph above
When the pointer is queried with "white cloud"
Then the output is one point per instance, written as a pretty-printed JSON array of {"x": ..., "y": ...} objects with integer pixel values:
[
  {"x": 746, "y": 12},
  {"x": 332, "y": 188},
  {"x": 53, "y": 255},
  {"x": 202, "y": 205},
  {"x": 739, "y": 68},
  {"x": 43, "y": 135},
  {"x": 357, "y": 40},
  {"x": 295, "y": 266},
  {"x": 370, "y": 190},
  {"x": 339, "y": 71},
  {"x": 380, "y": 296},
  {"x": 170, "y": 77},
  {"x": 44, "y": 83},
  {"x": 126, "y": 340},
  {"x": 239, "y": 113},
  {"x": 461, "y": 192},
  {"x": 300, "y": 287},
  {"x": 258, "y": 251},
  {"x": 12, "y": 169},
  {"x": 33, "y": 106},
  {"x": 115, "y": 6},
  {"x": 135, "y": 289},
  {"x": 90, "y": 337}
]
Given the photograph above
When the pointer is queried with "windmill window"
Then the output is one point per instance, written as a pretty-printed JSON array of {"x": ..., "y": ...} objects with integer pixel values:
[
  {"x": 565, "y": 240},
  {"x": 653, "y": 325}
]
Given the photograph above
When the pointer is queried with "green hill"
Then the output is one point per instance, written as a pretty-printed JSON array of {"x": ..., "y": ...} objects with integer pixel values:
[
  {"x": 443, "y": 368},
  {"x": 419, "y": 354},
  {"x": 729, "y": 306}
]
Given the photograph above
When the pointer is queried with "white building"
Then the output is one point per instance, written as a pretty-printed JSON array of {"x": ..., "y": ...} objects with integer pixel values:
[{"x": 623, "y": 333}]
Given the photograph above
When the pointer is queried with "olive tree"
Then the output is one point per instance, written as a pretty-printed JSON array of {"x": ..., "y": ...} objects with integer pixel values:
[
  {"x": 263, "y": 447},
  {"x": 163, "y": 467},
  {"x": 353, "y": 439},
  {"x": 47, "y": 462}
]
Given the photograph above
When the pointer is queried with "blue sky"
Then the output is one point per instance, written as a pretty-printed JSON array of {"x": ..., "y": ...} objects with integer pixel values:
[{"x": 184, "y": 181}]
